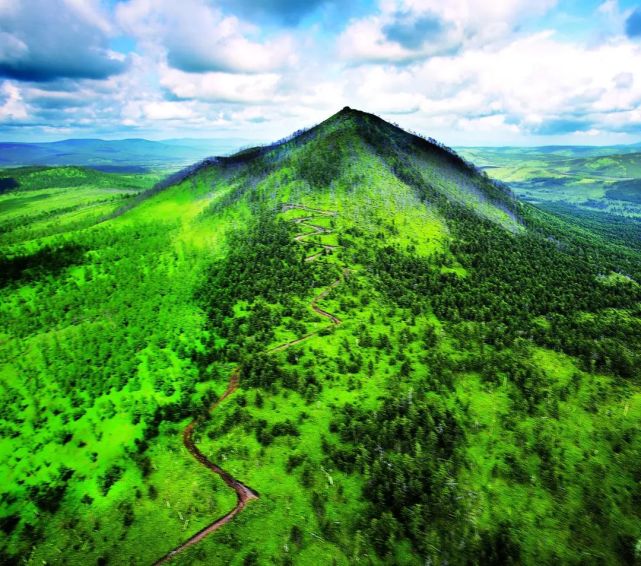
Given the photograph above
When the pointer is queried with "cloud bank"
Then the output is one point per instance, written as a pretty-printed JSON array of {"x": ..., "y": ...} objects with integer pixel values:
[
  {"x": 465, "y": 71},
  {"x": 44, "y": 40}
]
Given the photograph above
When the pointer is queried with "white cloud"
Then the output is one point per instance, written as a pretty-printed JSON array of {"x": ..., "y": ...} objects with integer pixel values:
[
  {"x": 608, "y": 8},
  {"x": 536, "y": 84},
  {"x": 406, "y": 30},
  {"x": 467, "y": 66},
  {"x": 199, "y": 38},
  {"x": 13, "y": 107},
  {"x": 165, "y": 110},
  {"x": 222, "y": 87}
]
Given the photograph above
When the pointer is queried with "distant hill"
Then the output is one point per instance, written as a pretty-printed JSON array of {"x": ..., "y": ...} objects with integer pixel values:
[
  {"x": 591, "y": 178},
  {"x": 550, "y": 151},
  {"x": 35, "y": 177},
  {"x": 114, "y": 155}
]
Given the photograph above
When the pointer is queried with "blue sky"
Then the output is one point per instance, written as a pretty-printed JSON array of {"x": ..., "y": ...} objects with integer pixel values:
[{"x": 468, "y": 72}]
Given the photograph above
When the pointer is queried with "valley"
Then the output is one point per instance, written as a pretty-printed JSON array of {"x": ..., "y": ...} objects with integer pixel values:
[{"x": 599, "y": 180}]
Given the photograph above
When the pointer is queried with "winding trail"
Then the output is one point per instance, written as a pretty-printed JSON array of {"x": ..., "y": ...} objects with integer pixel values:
[{"x": 245, "y": 494}]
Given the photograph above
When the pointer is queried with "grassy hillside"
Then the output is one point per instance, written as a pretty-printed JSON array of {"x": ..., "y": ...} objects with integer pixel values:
[{"x": 417, "y": 368}]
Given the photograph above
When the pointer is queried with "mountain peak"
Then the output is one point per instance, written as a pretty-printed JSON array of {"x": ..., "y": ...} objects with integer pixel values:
[
  {"x": 348, "y": 112},
  {"x": 353, "y": 148}
]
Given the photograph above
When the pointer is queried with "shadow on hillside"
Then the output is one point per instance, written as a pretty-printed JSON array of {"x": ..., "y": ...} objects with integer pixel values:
[
  {"x": 47, "y": 261},
  {"x": 8, "y": 184}
]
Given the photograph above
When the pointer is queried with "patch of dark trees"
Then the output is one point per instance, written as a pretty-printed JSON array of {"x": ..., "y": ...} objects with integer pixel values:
[
  {"x": 8, "y": 184},
  {"x": 49, "y": 260}
]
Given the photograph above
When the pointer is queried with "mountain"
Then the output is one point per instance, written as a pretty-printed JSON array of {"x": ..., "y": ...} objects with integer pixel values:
[
  {"x": 352, "y": 144},
  {"x": 112, "y": 155},
  {"x": 349, "y": 346}
]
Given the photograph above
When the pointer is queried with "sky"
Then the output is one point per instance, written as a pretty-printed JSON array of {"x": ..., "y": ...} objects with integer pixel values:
[{"x": 467, "y": 72}]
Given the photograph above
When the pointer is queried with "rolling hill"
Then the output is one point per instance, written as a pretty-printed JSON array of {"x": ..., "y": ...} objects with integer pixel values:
[
  {"x": 129, "y": 155},
  {"x": 350, "y": 346},
  {"x": 595, "y": 179}
]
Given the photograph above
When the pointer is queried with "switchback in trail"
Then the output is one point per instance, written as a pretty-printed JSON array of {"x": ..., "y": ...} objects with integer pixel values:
[{"x": 245, "y": 494}]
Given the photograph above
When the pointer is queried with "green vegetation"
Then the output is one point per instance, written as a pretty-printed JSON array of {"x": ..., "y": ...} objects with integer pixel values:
[
  {"x": 478, "y": 404},
  {"x": 592, "y": 179}
]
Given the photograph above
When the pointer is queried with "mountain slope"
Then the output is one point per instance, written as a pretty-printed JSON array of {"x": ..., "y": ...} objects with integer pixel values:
[
  {"x": 412, "y": 367},
  {"x": 353, "y": 148}
]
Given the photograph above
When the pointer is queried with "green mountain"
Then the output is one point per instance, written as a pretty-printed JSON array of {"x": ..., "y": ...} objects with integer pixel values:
[{"x": 350, "y": 346}]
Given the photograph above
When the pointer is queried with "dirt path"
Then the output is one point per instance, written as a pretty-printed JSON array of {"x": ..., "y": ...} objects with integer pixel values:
[{"x": 245, "y": 494}]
